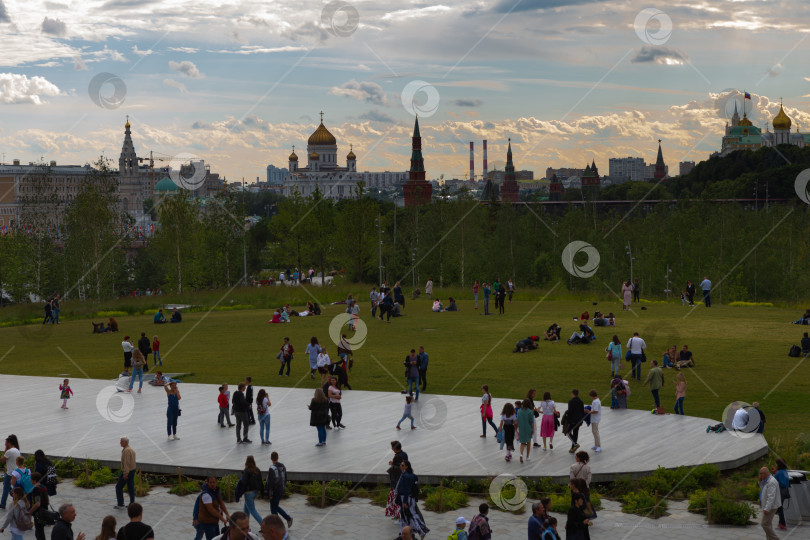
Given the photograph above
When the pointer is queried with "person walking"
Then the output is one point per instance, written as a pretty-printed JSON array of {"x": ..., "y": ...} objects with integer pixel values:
[
  {"x": 781, "y": 475},
  {"x": 335, "y": 406},
  {"x": 210, "y": 510},
  {"x": 429, "y": 288},
  {"x": 636, "y": 291},
  {"x": 173, "y": 409},
  {"x": 286, "y": 356},
  {"x": 48, "y": 311},
  {"x": 252, "y": 480},
  {"x": 576, "y": 414},
  {"x": 576, "y": 527},
  {"x": 690, "y": 292},
  {"x": 479, "y": 525},
  {"x": 47, "y": 471},
  {"x": 145, "y": 346},
  {"x": 412, "y": 370},
  {"x": 510, "y": 288},
  {"x": 410, "y": 516},
  {"x": 109, "y": 526},
  {"x": 138, "y": 362},
  {"x": 549, "y": 410},
  {"x": 263, "y": 412},
  {"x": 136, "y": 528},
  {"x": 769, "y": 500},
  {"x": 423, "y": 367},
  {"x": 55, "y": 309},
  {"x": 394, "y": 472},
  {"x": 627, "y": 295},
  {"x": 500, "y": 300},
  {"x": 530, "y": 395},
  {"x": 323, "y": 365},
  {"x": 525, "y": 422},
  {"x": 635, "y": 349},
  {"x": 19, "y": 508},
  {"x": 596, "y": 417},
  {"x": 486, "y": 412},
  {"x": 706, "y": 287},
  {"x": 10, "y": 455},
  {"x": 407, "y": 412},
  {"x": 487, "y": 292},
  {"x": 240, "y": 411},
  {"x": 508, "y": 425},
  {"x": 581, "y": 469},
  {"x": 156, "y": 351},
  {"x": 313, "y": 350},
  {"x": 128, "y": 348},
  {"x": 319, "y": 415},
  {"x": 374, "y": 297},
  {"x": 655, "y": 378},
  {"x": 127, "y": 476},
  {"x": 40, "y": 502},
  {"x": 249, "y": 399},
  {"x": 65, "y": 392},
  {"x": 680, "y": 393},
  {"x": 276, "y": 485},
  {"x": 475, "y": 293},
  {"x": 614, "y": 355}
]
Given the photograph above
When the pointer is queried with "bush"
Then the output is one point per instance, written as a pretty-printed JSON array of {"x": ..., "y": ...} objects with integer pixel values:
[
  {"x": 66, "y": 468},
  {"x": 621, "y": 486},
  {"x": 544, "y": 487},
  {"x": 336, "y": 492},
  {"x": 142, "y": 485},
  {"x": 643, "y": 503},
  {"x": 750, "y": 491},
  {"x": 697, "y": 502},
  {"x": 750, "y": 304},
  {"x": 186, "y": 487},
  {"x": 227, "y": 487},
  {"x": 707, "y": 475},
  {"x": 451, "y": 500},
  {"x": 98, "y": 477},
  {"x": 728, "y": 512}
]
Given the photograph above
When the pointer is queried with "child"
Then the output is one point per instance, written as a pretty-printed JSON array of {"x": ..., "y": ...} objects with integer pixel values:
[
  {"x": 285, "y": 356},
  {"x": 156, "y": 351},
  {"x": 684, "y": 299},
  {"x": 66, "y": 392},
  {"x": 407, "y": 412},
  {"x": 508, "y": 424},
  {"x": 223, "y": 399}
]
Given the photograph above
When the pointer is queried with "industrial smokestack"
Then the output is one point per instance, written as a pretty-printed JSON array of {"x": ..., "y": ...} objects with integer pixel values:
[
  {"x": 472, "y": 161},
  {"x": 485, "y": 160}
]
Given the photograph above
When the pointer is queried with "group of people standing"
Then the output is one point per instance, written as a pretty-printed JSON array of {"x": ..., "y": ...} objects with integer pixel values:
[
  {"x": 502, "y": 294},
  {"x": 52, "y": 309}
]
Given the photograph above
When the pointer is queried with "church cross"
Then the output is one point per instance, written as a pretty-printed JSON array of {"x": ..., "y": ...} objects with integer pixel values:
[{"x": 321, "y": 117}]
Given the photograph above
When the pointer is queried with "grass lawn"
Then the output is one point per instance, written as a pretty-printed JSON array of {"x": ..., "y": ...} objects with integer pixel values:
[{"x": 741, "y": 352}]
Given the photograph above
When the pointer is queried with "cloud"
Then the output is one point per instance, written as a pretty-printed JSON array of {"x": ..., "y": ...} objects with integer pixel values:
[
  {"x": 113, "y": 4},
  {"x": 186, "y": 68},
  {"x": 189, "y": 50},
  {"x": 54, "y": 27},
  {"x": 139, "y": 52},
  {"x": 415, "y": 13},
  {"x": 376, "y": 115},
  {"x": 659, "y": 55},
  {"x": 256, "y": 49},
  {"x": 175, "y": 84},
  {"x": 774, "y": 70},
  {"x": 15, "y": 89},
  {"x": 466, "y": 102},
  {"x": 78, "y": 63},
  {"x": 4, "y": 13},
  {"x": 507, "y": 6},
  {"x": 367, "y": 91}
]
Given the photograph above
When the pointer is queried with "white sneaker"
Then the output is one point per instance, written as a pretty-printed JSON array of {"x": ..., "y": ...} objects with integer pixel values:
[
  {"x": 171, "y": 437},
  {"x": 598, "y": 449},
  {"x": 593, "y": 448},
  {"x": 176, "y": 438}
]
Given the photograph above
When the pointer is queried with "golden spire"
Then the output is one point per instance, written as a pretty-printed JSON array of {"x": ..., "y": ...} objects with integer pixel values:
[{"x": 127, "y": 124}]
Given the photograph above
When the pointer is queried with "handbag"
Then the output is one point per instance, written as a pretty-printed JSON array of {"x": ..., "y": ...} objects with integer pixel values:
[
  {"x": 179, "y": 412},
  {"x": 628, "y": 355},
  {"x": 784, "y": 492},
  {"x": 643, "y": 356}
]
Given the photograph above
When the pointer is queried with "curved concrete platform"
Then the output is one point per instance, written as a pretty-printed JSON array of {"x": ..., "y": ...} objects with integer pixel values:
[{"x": 446, "y": 442}]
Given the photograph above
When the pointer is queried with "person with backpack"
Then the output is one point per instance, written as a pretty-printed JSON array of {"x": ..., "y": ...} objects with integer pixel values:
[
  {"x": 12, "y": 451},
  {"x": 252, "y": 484},
  {"x": 276, "y": 485},
  {"x": 459, "y": 533},
  {"x": 21, "y": 476},
  {"x": 39, "y": 506},
  {"x": 18, "y": 521},
  {"x": 479, "y": 526},
  {"x": 209, "y": 510}
]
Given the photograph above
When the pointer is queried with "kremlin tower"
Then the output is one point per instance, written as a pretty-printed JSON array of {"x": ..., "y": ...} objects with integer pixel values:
[
  {"x": 661, "y": 169},
  {"x": 509, "y": 187},
  {"x": 417, "y": 190}
]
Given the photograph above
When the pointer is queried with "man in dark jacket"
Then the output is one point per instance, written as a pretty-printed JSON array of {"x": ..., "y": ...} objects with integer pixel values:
[
  {"x": 249, "y": 399},
  {"x": 62, "y": 529},
  {"x": 576, "y": 413},
  {"x": 240, "y": 410},
  {"x": 145, "y": 346},
  {"x": 276, "y": 485}
]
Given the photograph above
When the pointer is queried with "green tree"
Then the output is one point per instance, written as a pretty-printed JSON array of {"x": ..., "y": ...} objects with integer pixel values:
[{"x": 177, "y": 238}]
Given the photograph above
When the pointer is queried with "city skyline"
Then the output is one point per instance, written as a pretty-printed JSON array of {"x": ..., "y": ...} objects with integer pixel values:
[{"x": 568, "y": 82}]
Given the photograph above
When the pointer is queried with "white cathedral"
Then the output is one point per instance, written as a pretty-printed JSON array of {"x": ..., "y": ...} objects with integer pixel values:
[
  {"x": 742, "y": 134},
  {"x": 322, "y": 170}
]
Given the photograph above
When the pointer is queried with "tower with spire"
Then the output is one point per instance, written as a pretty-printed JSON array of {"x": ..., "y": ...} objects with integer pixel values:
[
  {"x": 555, "y": 189},
  {"x": 590, "y": 181},
  {"x": 509, "y": 187},
  {"x": 417, "y": 190},
  {"x": 660, "y": 167},
  {"x": 131, "y": 189}
]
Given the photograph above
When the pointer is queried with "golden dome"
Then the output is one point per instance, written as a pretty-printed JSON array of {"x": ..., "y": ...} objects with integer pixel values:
[
  {"x": 293, "y": 157},
  {"x": 313, "y": 156},
  {"x": 322, "y": 137},
  {"x": 350, "y": 155},
  {"x": 781, "y": 121},
  {"x": 745, "y": 121}
]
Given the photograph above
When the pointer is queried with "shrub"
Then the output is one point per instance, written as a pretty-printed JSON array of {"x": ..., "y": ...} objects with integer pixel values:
[
  {"x": 697, "y": 502},
  {"x": 621, "y": 486},
  {"x": 643, "y": 503},
  {"x": 227, "y": 487},
  {"x": 451, "y": 500},
  {"x": 728, "y": 512},
  {"x": 66, "y": 468},
  {"x": 186, "y": 487},
  {"x": 750, "y": 491},
  {"x": 142, "y": 485},
  {"x": 108, "y": 314},
  {"x": 740, "y": 303},
  {"x": 97, "y": 478},
  {"x": 544, "y": 487},
  {"x": 336, "y": 492},
  {"x": 707, "y": 475}
]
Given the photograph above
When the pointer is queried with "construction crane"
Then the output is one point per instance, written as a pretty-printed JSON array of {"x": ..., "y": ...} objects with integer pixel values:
[{"x": 151, "y": 159}]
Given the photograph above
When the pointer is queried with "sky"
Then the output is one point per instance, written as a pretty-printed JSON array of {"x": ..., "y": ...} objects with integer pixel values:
[{"x": 238, "y": 83}]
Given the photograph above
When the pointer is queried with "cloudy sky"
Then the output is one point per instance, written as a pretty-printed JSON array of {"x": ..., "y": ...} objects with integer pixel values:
[{"x": 239, "y": 82}]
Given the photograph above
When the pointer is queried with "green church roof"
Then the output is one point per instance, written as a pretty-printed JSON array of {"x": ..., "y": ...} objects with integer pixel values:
[{"x": 166, "y": 184}]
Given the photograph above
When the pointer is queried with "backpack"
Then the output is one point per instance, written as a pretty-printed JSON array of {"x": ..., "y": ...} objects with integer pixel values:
[
  {"x": 454, "y": 534},
  {"x": 50, "y": 476},
  {"x": 25, "y": 480},
  {"x": 474, "y": 533},
  {"x": 795, "y": 351},
  {"x": 23, "y": 520}
]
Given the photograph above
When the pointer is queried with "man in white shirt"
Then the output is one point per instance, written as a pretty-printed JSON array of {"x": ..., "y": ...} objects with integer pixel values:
[
  {"x": 636, "y": 347},
  {"x": 128, "y": 348},
  {"x": 239, "y": 528},
  {"x": 10, "y": 459},
  {"x": 740, "y": 420},
  {"x": 374, "y": 296},
  {"x": 596, "y": 417},
  {"x": 706, "y": 287},
  {"x": 770, "y": 500}
]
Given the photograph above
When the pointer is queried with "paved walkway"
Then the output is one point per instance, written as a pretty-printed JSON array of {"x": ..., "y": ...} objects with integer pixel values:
[{"x": 170, "y": 516}]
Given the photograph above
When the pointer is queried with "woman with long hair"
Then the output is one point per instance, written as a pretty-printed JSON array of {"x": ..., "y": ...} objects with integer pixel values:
[
  {"x": 525, "y": 421},
  {"x": 549, "y": 409},
  {"x": 313, "y": 350},
  {"x": 410, "y": 516},
  {"x": 19, "y": 506},
  {"x": 138, "y": 362},
  {"x": 108, "y": 526},
  {"x": 627, "y": 294},
  {"x": 614, "y": 350},
  {"x": 252, "y": 480},
  {"x": 41, "y": 465},
  {"x": 576, "y": 528},
  {"x": 263, "y": 412},
  {"x": 781, "y": 475},
  {"x": 486, "y": 411},
  {"x": 394, "y": 472},
  {"x": 680, "y": 393},
  {"x": 508, "y": 424},
  {"x": 319, "y": 415},
  {"x": 530, "y": 395},
  {"x": 173, "y": 409}
]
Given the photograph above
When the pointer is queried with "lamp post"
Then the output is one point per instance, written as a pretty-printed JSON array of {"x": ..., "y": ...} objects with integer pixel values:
[{"x": 630, "y": 254}]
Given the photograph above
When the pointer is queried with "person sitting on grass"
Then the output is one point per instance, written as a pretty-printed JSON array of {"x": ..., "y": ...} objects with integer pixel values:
[
  {"x": 805, "y": 344},
  {"x": 452, "y": 306},
  {"x": 437, "y": 306},
  {"x": 584, "y": 336},
  {"x": 527, "y": 344},
  {"x": 176, "y": 316},
  {"x": 669, "y": 358},
  {"x": 159, "y": 317},
  {"x": 285, "y": 317},
  {"x": 553, "y": 333},
  {"x": 685, "y": 359},
  {"x": 804, "y": 319},
  {"x": 611, "y": 319},
  {"x": 276, "y": 319}
]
